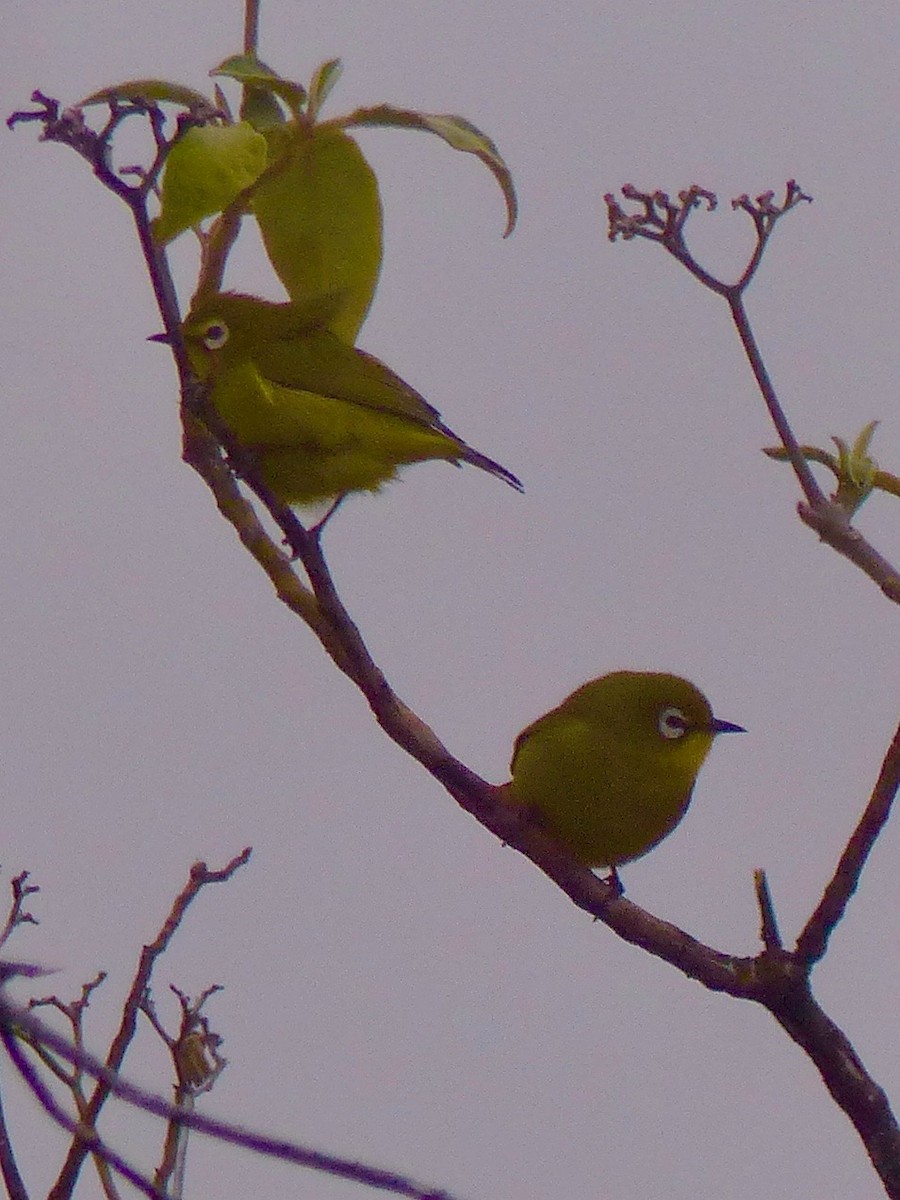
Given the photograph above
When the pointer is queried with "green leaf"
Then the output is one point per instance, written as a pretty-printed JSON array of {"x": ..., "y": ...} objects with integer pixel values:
[
  {"x": 205, "y": 171},
  {"x": 456, "y": 132},
  {"x": 158, "y": 90},
  {"x": 860, "y": 466},
  {"x": 319, "y": 213},
  {"x": 256, "y": 76},
  {"x": 260, "y": 108},
  {"x": 856, "y": 472},
  {"x": 324, "y": 79}
]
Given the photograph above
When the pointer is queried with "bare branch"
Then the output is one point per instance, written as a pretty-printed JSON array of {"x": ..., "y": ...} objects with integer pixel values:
[
  {"x": 850, "y": 1085},
  {"x": 663, "y": 221},
  {"x": 251, "y": 26},
  {"x": 813, "y": 941},
  {"x": 833, "y": 526},
  {"x": 83, "y": 1135},
  {"x": 21, "y": 890},
  {"x": 769, "y": 932},
  {"x": 13, "y": 1019},
  {"x": 198, "y": 1064},
  {"x": 9, "y": 1169},
  {"x": 200, "y": 876}
]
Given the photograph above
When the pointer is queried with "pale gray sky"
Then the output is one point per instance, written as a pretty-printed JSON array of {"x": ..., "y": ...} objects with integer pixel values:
[{"x": 398, "y": 987}]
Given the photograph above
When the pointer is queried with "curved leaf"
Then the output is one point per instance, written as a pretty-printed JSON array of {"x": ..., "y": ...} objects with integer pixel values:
[
  {"x": 257, "y": 77},
  {"x": 319, "y": 213},
  {"x": 160, "y": 91},
  {"x": 456, "y": 132},
  {"x": 260, "y": 108},
  {"x": 326, "y": 76}
]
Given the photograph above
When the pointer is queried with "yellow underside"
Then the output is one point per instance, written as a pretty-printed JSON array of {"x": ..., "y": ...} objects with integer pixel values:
[
  {"x": 608, "y": 807},
  {"x": 311, "y": 447}
]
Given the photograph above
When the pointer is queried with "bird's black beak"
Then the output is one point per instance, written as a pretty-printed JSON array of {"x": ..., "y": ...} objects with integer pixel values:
[
  {"x": 160, "y": 337},
  {"x": 717, "y": 726}
]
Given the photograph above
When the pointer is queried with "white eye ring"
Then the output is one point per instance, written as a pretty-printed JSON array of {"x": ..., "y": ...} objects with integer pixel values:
[
  {"x": 215, "y": 336},
  {"x": 672, "y": 723}
]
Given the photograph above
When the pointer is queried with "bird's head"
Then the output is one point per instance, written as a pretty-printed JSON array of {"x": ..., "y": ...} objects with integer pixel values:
[{"x": 225, "y": 328}]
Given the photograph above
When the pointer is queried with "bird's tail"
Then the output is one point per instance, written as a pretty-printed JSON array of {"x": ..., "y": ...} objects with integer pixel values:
[{"x": 493, "y": 468}]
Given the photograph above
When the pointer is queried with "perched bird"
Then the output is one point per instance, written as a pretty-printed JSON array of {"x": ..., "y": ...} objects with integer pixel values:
[
  {"x": 320, "y": 417},
  {"x": 610, "y": 771}
]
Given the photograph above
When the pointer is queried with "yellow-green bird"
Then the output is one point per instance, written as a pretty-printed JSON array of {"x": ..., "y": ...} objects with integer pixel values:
[
  {"x": 321, "y": 418},
  {"x": 610, "y": 771}
]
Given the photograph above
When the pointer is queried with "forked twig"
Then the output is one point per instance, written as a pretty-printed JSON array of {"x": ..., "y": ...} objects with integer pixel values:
[
  {"x": 200, "y": 876},
  {"x": 662, "y": 220}
]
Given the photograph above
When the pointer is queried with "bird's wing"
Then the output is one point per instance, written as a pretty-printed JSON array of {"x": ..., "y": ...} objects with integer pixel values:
[{"x": 318, "y": 361}]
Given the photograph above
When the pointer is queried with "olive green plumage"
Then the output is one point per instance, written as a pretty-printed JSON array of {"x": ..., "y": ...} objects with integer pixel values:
[
  {"x": 322, "y": 418},
  {"x": 611, "y": 770}
]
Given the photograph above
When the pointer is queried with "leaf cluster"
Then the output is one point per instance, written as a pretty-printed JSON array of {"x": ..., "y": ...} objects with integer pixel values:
[{"x": 304, "y": 180}]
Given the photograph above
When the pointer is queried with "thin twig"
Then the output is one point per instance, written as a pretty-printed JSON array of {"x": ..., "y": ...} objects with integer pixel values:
[
  {"x": 198, "y": 1064},
  {"x": 82, "y": 1134},
  {"x": 663, "y": 221},
  {"x": 251, "y": 26},
  {"x": 17, "y": 915},
  {"x": 73, "y": 1077},
  {"x": 200, "y": 876},
  {"x": 813, "y": 941},
  {"x": 9, "y": 1169},
  {"x": 811, "y": 490},
  {"x": 14, "y": 1018},
  {"x": 768, "y": 922}
]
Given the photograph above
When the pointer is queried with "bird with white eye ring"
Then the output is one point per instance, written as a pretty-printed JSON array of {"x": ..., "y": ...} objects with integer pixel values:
[
  {"x": 320, "y": 418},
  {"x": 610, "y": 771},
  {"x": 215, "y": 336}
]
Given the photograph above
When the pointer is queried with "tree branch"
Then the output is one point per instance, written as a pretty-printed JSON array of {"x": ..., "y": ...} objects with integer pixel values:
[
  {"x": 200, "y": 876},
  {"x": 13, "y": 1018},
  {"x": 813, "y": 941},
  {"x": 663, "y": 221},
  {"x": 9, "y": 1169}
]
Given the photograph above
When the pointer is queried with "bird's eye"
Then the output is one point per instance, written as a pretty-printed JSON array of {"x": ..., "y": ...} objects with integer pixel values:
[
  {"x": 215, "y": 335},
  {"x": 672, "y": 723}
]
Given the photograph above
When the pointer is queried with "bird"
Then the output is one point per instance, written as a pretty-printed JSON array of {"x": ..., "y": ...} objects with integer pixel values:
[
  {"x": 319, "y": 418},
  {"x": 611, "y": 770}
]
